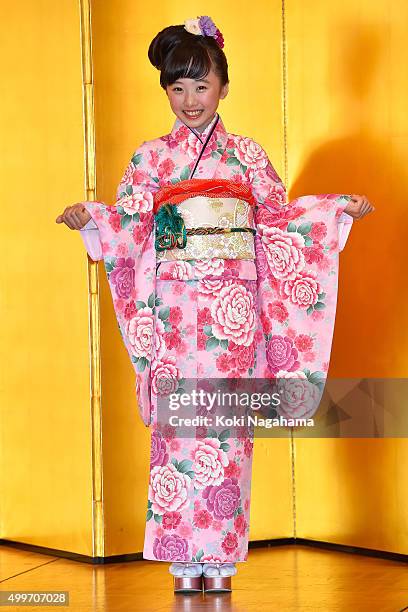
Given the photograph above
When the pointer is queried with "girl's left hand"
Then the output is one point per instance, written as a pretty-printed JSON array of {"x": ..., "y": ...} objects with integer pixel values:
[{"x": 358, "y": 207}]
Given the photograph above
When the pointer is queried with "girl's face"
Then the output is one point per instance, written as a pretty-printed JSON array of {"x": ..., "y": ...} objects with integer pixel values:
[{"x": 195, "y": 102}]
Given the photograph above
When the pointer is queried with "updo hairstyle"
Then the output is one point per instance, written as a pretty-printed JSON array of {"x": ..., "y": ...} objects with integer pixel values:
[{"x": 179, "y": 54}]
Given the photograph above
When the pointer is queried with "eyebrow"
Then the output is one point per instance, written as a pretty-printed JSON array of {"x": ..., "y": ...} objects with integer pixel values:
[{"x": 199, "y": 80}]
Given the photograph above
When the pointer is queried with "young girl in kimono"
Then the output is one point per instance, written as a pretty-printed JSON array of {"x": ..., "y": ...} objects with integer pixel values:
[{"x": 213, "y": 274}]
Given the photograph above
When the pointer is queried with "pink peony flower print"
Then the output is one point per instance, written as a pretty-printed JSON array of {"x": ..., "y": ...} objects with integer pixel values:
[
  {"x": 303, "y": 290},
  {"x": 170, "y": 547},
  {"x": 229, "y": 543},
  {"x": 165, "y": 168},
  {"x": 171, "y": 520},
  {"x": 139, "y": 233},
  {"x": 201, "y": 341},
  {"x": 240, "y": 524},
  {"x": 172, "y": 141},
  {"x": 233, "y": 311},
  {"x": 281, "y": 354},
  {"x": 168, "y": 489},
  {"x": 123, "y": 276},
  {"x": 318, "y": 231},
  {"x": 209, "y": 267},
  {"x": 223, "y": 499},
  {"x": 139, "y": 331},
  {"x": 169, "y": 432},
  {"x": 276, "y": 199},
  {"x": 176, "y": 315},
  {"x": 202, "y": 519},
  {"x": 137, "y": 202},
  {"x": 299, "y": 398},
  {"x": 275, "y": 213},
  {"x": 261, "y": 261},
  {"x": 266, "y": 324},
  {"x": 208, "y": 286},
  {"x": 204, "y": 317},
  {"x": 192, "y": 146},
  {"x": 222, "y": 362},
  {"x": 303, "y": 342},
  {"x": 244, "y": 357},
  {"x": 283, "y": 251},
  {"x": 181, "y": 270},
  {"x": 250, "y": 153},
  {"x": 314, "y": 253},
  {"x": 114, "y": 221},
  {"x": 209, "y": 463},
  {"x": 278, "y": 311},
  {"x": 172, "y": 339},
  {"x": 165, "y": 376},
  {"x": 158, "y": 450},
  {"x": 232, "y": 470},
  {"x": 130, "y": 310}
]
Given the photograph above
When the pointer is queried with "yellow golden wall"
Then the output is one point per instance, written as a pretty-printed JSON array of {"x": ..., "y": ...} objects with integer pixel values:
[
  {"x": 45, "y": 444},
  {"x": 348, "y": 133},
  {"x": 320, "y": 86}
]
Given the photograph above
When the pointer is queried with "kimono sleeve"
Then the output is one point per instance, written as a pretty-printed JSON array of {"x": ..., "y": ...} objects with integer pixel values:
[
  {"x": 127, "y": 249},
  {"x": 92, "y": 241},
  {"x": 297, "y": 257}
]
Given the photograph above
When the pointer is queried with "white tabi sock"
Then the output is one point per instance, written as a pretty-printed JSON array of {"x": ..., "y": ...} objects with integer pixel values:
[
  {"x": 186, "y": 569},
  {"x": 219, "y": 569}
]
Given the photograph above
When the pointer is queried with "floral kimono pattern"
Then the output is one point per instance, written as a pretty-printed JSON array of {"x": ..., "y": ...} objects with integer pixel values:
[{"x": 216, "y": 317}]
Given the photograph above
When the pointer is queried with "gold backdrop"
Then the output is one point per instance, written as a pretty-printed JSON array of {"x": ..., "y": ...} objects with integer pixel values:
[{"x": 321, "y": 86}]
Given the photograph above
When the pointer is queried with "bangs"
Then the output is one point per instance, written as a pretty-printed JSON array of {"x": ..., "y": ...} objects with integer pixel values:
[{"x": 190, "y": 61}]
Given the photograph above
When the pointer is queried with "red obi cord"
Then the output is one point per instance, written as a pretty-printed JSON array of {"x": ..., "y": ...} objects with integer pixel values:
[{"x": 210, "y": 188}]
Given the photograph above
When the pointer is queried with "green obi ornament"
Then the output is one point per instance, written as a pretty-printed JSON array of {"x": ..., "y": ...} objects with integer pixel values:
[{"x": 170, "y": 228}]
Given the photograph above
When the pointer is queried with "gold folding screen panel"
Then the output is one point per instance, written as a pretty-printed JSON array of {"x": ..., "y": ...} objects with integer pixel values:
[
  {"x": 318, "y": 85},
  {"x": 45, "y": 428}
]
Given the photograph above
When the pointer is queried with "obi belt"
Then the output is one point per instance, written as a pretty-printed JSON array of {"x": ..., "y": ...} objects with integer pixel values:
[{"x": 202, "y": 219}]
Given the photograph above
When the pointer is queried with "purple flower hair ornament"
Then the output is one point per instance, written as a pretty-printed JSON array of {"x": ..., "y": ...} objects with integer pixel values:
[{"x": 204, "y": 26}]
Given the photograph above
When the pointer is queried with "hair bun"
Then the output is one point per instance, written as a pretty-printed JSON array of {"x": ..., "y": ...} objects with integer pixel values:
[{"x": 164, "y": 42}]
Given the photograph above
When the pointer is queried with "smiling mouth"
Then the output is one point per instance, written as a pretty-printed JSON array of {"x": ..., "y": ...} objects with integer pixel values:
[{"x": 193, "y": 114}]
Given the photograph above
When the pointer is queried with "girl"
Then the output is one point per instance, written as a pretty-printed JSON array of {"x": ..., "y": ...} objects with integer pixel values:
[{"x": 213, "y": 274}]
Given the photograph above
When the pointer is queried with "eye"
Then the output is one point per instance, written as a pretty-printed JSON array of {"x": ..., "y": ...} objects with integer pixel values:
[
  {"x": 177, "y": 89},
  {"x": 201, "y": 87}
]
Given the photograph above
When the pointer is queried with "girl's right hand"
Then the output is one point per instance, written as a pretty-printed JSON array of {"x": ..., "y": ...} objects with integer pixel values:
[
  {"x": 358, "y": 207},
  {"x": 75, "y": 216}
]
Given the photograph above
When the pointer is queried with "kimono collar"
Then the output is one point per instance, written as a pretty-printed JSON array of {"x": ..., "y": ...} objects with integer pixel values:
[{"x": 217, "y": 132}]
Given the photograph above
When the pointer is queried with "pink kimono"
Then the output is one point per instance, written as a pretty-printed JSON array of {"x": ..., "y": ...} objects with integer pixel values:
[{"x": 256, "y": 307}]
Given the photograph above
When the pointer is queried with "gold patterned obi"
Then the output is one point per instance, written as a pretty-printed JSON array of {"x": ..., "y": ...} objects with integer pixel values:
[{"x": 217, "y": 213}]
